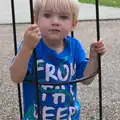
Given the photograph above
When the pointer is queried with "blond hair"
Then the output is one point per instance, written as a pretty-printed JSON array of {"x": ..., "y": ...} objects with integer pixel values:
[{"x": 58, "y": 5}]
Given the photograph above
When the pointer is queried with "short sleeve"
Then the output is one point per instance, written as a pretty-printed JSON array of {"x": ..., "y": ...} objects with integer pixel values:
[
  {"x": 18, "y": 49},
  {"x": 81, "y": 60}
]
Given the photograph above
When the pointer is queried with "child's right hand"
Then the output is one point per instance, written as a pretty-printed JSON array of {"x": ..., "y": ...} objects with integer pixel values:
[{"x": 32, "y": 36}]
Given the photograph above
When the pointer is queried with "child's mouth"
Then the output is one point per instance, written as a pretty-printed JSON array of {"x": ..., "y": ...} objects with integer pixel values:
[{"x": 55, "y": 30}]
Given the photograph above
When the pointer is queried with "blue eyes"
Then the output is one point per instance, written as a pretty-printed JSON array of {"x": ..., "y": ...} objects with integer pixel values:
[
  {"x": 61, "y": 17},
  {"x": 47, "y": 15}
]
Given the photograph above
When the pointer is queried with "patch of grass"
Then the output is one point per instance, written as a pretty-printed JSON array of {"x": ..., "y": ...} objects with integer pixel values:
[{"x": 112, "y": 3}]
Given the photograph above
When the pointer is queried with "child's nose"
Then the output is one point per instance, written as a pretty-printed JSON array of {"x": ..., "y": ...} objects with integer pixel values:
[{"x": 55, "y": 21}]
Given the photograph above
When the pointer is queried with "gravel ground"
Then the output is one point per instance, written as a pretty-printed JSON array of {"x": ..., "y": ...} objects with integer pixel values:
[{"x": 88, "y": 95}]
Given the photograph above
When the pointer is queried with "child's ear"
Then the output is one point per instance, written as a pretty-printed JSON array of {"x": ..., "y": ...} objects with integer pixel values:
[{"x": 74, "y": 24}]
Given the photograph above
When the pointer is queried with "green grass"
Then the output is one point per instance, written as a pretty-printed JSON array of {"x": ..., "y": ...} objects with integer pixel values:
[{"x": 112, "y": 3}]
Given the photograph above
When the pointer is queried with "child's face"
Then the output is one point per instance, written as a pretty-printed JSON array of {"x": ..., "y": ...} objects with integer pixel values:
[{"x": 55, "y": 25}]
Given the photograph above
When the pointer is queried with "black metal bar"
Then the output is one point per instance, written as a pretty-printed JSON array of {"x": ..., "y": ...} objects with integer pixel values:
[
  {"x": 72, "y": 34},
  {"x": 99, "y": 60},
  {"x": 15, "y": 49},
  {"x": 64, "y": 83},
  {"x": 35, "y": 64}
]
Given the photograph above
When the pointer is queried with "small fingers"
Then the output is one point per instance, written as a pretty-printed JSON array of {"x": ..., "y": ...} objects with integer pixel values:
[
  {"x": 101, "y": 50},
  {"x": 39, "y": 33},
  {"x": 36, "y": 30},
  {"x": 32, "y": 27},
  {"x": 98, "y": 44},
  {"x": 99, "y": 47}
]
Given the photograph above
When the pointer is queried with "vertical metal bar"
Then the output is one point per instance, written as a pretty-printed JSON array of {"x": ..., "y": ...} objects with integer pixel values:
[
  {"x": 15, "y": 49},
  {"x": 35, "y": 64},
  {"x": 99, "y": 60},
  {"x": 72, "y": 34}
]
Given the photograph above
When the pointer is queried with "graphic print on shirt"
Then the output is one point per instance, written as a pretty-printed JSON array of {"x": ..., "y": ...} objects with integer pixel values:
[
  {"x": 56, "y": 101},
  {"x": 58, "y": 97}
]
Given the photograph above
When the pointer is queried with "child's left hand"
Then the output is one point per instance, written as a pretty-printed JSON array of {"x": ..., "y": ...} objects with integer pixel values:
[{"x": 97, "y": 47}]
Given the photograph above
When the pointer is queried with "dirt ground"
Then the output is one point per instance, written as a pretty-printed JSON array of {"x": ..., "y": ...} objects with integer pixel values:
[{"x": 88, "y": 95}]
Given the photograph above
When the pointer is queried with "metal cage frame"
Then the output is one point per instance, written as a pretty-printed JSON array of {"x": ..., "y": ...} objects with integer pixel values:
[{"x": 35, "y": 65}]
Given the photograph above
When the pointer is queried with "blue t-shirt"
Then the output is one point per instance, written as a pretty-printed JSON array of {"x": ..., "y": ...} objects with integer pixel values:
[{"x": 56, "y": 102}]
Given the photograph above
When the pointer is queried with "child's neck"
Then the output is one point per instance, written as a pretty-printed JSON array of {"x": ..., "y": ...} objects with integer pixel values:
[{"x": 55, "y": 45}]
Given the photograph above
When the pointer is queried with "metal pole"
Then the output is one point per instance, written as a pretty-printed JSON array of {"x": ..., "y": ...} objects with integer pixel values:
[
  {"x": 15, "y": 49},
  {"x": 35, "y": 64},
  {"x": 99, "y": 60}
]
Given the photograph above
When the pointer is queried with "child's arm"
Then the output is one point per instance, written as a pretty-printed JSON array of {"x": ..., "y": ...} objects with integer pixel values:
[
  {"x": 18, "y": 68},
  {"x": 92, "y": 66}
]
